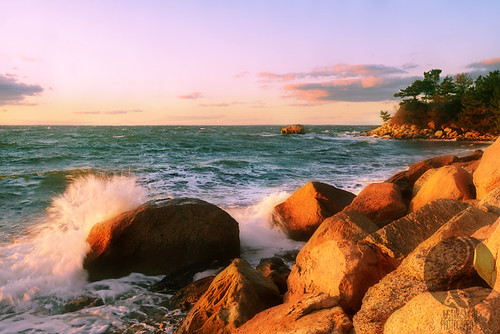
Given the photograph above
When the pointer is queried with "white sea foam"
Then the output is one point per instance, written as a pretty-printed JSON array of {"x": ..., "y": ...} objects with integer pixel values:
[
  {"x": 49, "y": 259},
  {"x": 259, "y": 239}
]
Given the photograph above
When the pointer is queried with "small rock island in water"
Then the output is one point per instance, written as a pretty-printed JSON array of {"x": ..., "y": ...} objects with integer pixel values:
[{"x": 297, "y": 129}]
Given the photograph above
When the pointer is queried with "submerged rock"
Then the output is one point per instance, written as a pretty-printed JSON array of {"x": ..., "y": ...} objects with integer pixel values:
[
  {"x": 80, "y": 304},
  {"x": 162, "y": 237},
  {"x": 294, "y": 129},
  {"x": 301, "y": 214}
]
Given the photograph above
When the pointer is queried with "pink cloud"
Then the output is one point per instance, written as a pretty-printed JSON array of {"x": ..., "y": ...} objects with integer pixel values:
[
  {"x": 241, "y": 74},
  {"x": 192, "y": 96}
]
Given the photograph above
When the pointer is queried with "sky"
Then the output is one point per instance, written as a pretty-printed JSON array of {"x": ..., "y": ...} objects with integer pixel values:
[{"x": 231, "y": 62}]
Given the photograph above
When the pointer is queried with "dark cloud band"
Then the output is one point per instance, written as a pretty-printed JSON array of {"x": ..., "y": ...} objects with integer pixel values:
[{"x": 14, "y": 92}]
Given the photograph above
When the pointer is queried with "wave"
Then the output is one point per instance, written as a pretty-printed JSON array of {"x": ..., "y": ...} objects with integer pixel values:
[
  {"x": 49, "y": 259},
  {"x": 259, "y": 239}
]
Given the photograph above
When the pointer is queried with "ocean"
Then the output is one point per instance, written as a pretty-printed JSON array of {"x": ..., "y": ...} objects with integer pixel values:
[{"x": 56, "y": 182}]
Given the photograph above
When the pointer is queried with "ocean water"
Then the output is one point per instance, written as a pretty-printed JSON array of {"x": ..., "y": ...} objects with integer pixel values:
[{"x": 57, "y": 182}]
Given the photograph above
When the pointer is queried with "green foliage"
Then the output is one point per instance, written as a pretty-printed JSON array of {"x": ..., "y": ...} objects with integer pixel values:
[
  {"x": 385, "y": 116},
  {"x": 459, "y": 100},
  {"x": 426, "y": 87}
]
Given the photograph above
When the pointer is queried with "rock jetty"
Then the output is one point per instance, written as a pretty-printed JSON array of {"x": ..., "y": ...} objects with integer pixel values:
[
  {"x": 418, "y": 253},
  {"x": 390, "y": 130}
]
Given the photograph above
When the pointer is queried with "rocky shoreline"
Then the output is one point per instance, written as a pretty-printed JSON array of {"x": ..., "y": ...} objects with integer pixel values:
[
  {"x": 389, "y": 130},
  {"x": 417, "y": 253}
]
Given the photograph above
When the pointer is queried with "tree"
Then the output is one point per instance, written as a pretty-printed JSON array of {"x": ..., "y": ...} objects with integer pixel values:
[
  {"x": 426, "y": 87},
  {"x": 481, "y": 104},
  {"x": 385, "y": 116},
  {"x": 463, "y": 81},
  {"x": 431, "y": 83}
]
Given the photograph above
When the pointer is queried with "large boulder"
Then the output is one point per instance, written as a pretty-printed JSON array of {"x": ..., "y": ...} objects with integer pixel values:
[
  {"x": 406, "y": 179},
  {"x": 312, "y": 314},
  {"x": 441, "y": 262},
  {"x": 162, "y": 237},
  {"x": 236, "y": 294},
  {"x": 381, "y": 202},
  {"x": 445, "y": 182},
  {"x": 487, "y": 174},
  {"x": 294, "y": 129},
  {"x": 401, "y": 237},
  {"x": 479, "y": 312},
  {"x": 301, "y": 214},
  {"x": 335, "y": 263}
]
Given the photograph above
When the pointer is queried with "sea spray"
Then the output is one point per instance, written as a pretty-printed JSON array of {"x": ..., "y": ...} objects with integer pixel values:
[
  {"x": 49, "y": 259},
  {"x": 259, "y": 238}
]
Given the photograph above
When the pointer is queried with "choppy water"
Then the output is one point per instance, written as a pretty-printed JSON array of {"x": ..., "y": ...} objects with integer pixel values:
[{"x": 56, "y": 182}]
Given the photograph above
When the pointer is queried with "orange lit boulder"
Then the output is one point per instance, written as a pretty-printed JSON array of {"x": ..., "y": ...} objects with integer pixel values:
[
  {"x": 402, "y": 236},
  {"x": 235, "y": 295},
  {"x": 312, "y": 314},
  {"x": 487, "y": 174},
  {"x": 407, "y": 178},
  {"x": 381, "y": 202},
  {"x": 335, "y": 263},
  {"x": 443, "y": 261},
  {"x": 446, "y": 182},
  {"x": 301, "y": 214},
  {"x": 478, "y": 312},
  {"x": 162, "y": 237},
  {"x": 294, "y": 129}
]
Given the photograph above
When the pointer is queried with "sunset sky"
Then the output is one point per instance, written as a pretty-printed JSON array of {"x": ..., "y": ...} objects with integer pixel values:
[{"x": 231, "y": 62}]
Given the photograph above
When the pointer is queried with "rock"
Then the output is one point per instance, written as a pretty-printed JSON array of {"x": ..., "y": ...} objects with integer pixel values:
[
  {"x": 487, "y": 174},
  {"x": 477, "y": 155},
  {"x": 401, "y": 237},
  {"x": 438, "y": 134},
  {"x": 312, "y": 314},
  {"x": 185, "y": 298},
  {"x": 479, "y": 313},
  {"x": 450, "y": 182},
  {"x": 276, "y": 270},
  {"x": 333, "y": 262},
  {"x": 301, "y": 214},
  {"x": 420, "y": 272},
  {"x": 80, "y": 304},
  {"x": 488, "y": 258},
  {"x": 236, "y": 294},
  {"x": 294, "y": 129},
  {"x": 491, "y": 202},
  {"x": 381, "y": 202},
  {"x": 406, "y": 179},
  {"x": 162, "y": 237}
]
